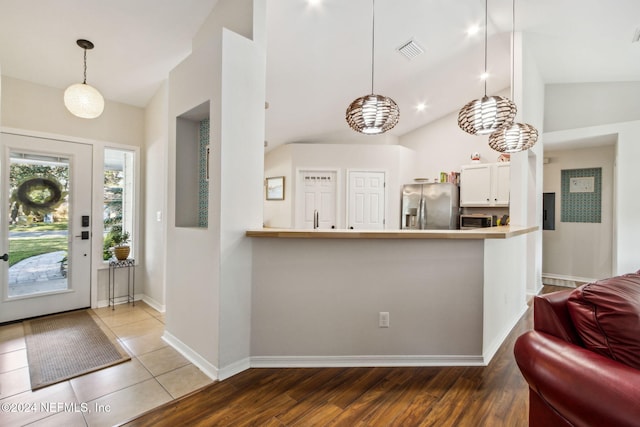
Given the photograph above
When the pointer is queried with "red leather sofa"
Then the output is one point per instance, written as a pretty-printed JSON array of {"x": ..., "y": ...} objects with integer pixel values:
[{"x": 582, "y": 360}]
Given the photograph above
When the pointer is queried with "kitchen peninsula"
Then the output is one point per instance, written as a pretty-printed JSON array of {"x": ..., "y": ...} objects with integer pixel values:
[{"x": 452, "y": 296}]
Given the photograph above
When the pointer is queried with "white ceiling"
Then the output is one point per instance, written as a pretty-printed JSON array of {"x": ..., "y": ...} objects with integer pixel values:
[
  {"x": 319, "y": 57},
  {"x": 136, "y": 42}
]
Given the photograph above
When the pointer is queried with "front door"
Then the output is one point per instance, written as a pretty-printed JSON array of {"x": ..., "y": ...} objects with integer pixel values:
[{"x": 45, "y": 226}]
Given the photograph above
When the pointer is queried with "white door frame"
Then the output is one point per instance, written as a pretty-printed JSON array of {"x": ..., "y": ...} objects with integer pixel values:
[
  {"x": 297, "y": 205},
  {"x": 77, "y": 294},
  {"x": 97, "y": 263}
]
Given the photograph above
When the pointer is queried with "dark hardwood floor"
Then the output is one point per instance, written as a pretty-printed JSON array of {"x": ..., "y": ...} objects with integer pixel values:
[{"x": 495, "y": 395}]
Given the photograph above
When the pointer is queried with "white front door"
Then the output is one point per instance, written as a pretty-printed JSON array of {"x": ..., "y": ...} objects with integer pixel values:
[
  {"x": 366, "y": 200},
  {"x": 316, "y": 205},
  {"x": 45, "y": 226}
]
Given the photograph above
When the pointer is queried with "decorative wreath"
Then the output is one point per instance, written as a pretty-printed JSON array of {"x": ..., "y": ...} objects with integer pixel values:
[{"x": 33, "y": 184}]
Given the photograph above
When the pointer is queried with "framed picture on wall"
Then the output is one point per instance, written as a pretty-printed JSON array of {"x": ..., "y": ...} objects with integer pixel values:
[{"x": 275, "y": 188}]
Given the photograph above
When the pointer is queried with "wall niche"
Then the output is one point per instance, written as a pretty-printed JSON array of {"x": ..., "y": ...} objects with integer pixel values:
[{"x": 192, "y": 167}]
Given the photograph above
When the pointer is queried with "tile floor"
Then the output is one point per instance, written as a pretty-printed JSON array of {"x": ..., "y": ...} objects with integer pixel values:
[{"x": 155, "y": 375}]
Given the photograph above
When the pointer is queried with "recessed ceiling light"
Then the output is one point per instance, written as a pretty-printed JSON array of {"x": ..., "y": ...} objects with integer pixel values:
[
  {"x": 421, "y": 107},
  {"x": 314, "y": 2},
  {"x": 473, "y": 30}
]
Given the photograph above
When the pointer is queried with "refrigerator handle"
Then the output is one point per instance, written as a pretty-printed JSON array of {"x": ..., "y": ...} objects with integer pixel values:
[{"x": 421, "y": 214}]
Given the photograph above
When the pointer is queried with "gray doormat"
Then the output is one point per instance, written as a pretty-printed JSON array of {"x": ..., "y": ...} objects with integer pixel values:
[{"x": 67, "y": 345}]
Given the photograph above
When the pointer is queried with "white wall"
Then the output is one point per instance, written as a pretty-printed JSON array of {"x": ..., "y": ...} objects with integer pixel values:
[
  {"x": 395, "y": 160},
  {"x": 626, "y": 178},
  {"x": 155, "y": 168},
  {"x": 627, "y": 187},
  {"x": 207, "y": 275},
  {"x": 578, "y": 105},
  {"x": 579, "y": 250},
  {"x": 40, "y": 108},
  {"x": 279, "y": 213},
  {"x": 504, "y": 293},
  {"x": 527, "y": 176},
  {"x": 242, "y": 155}
]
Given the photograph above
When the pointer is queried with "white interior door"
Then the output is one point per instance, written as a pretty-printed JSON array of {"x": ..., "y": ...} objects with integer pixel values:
[
  {"x": 45, "y": 226},
  {"x": 366, "y": 200},
  {"x": 317, "y": 199}
]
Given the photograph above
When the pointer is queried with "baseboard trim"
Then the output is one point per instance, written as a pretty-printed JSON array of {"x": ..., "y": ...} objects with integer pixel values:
[
  {"x": 234, "y": 368},
  {"x": 535, "y": 291},
  {"x": 153, "y": 304},
  {"x": 494, "y": 346},
  {"x": 567, "y": 281},
  {"x": 363, "y": 361},
  {"x": 192, "y": 356},
  {"x": 121, "y": 300}
]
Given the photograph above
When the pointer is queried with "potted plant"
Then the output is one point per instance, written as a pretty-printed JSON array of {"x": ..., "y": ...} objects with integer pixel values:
[{"x": 119, "y": 238}]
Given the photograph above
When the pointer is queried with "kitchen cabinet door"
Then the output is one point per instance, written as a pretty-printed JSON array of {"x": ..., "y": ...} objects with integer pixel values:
[
  {"x": 475, "y": 185},
  {"x": 485, "y": 184},
  {"x": 501, "y": 184}
]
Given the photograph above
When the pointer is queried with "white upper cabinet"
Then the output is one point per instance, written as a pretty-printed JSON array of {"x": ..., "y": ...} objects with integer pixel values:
[{"x": 484, "y": 184}]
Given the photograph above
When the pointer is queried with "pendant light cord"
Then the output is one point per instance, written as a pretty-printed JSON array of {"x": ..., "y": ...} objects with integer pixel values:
[
  {"x": 85, "y": 67},
  {"x": 513, "y": 49},
  {"x": 486, "y": 24},
  {"x": 373, "y": 41}
]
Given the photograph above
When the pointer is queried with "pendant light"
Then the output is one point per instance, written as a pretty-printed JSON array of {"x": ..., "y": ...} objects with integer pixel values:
[
  {"x": 490, "y": 113},
  {"x": 518, "y": 136},
  {"x": 81, "y": 99},
  {"x": 373, "y": 114}
]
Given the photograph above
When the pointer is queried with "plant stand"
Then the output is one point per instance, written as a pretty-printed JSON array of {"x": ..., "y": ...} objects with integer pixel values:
[{"x": 130, "y": 265}]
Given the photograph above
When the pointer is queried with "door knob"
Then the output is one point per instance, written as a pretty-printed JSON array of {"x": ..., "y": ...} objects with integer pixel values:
[{"x": 5, "y": 257}]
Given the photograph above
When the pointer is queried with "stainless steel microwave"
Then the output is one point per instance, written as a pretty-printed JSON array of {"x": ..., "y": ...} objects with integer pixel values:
[{"x": 476, "y": 221}]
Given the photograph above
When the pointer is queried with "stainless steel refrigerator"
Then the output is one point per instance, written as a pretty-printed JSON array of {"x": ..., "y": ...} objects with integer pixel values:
[{"x": 430, "y": 206}]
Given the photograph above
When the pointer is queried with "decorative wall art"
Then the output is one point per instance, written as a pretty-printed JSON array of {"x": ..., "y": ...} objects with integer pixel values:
[
  {"x": 581, "y": 195},
  {"x": 203, "y": 176},
  {"x": 275, "y": 188}
]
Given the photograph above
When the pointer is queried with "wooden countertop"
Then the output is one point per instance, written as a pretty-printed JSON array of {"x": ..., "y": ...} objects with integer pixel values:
[{"x": 502, "y": 232}]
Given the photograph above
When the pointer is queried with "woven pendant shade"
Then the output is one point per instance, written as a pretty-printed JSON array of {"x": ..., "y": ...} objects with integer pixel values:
[
  {"x": 486, "y": 115},
  {"x": 372, "y": 114},
  {"x": 517, "y": 137},
  {"x": 489, "y": 113}
]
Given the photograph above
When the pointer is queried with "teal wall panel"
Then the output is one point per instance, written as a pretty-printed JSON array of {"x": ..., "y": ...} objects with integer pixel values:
[
  {"x": 581, "y": 195},
  {"x": 203, "y": 195}
]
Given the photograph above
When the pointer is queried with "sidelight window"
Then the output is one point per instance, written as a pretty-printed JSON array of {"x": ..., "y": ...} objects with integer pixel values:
[{"x": 119, "y": 198}]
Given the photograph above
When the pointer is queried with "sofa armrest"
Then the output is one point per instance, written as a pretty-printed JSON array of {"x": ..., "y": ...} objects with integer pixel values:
[{"x": 584, "y": 387}]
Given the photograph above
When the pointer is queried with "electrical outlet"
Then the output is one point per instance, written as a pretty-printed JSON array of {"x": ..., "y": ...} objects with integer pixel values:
[{"x": 383, "y": 319}]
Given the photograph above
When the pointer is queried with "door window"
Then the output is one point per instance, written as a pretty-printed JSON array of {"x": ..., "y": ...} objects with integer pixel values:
[
  {"x": 45, "y": 226},
  {"x": 38, "y": 223}
]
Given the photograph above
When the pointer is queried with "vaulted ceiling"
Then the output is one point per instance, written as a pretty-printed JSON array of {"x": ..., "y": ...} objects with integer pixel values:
[{"x": 319, "y": 56}]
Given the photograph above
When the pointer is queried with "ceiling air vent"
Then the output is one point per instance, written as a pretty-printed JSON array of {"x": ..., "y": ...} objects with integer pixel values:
[{"x": 411, "y": 49}]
